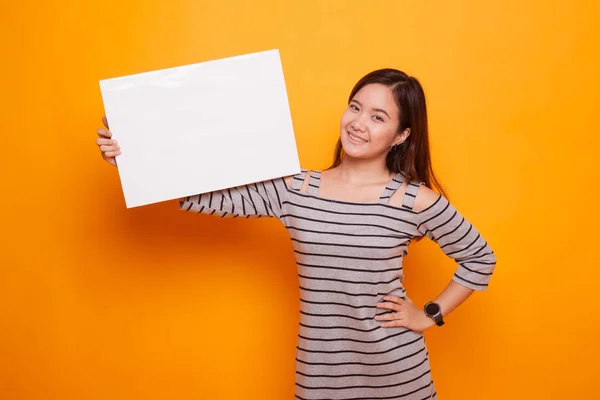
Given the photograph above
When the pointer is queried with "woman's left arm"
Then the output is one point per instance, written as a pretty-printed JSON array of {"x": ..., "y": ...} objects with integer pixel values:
[
  {"x": 459, "y": 239},
  {"x": 441, "y": 222}
]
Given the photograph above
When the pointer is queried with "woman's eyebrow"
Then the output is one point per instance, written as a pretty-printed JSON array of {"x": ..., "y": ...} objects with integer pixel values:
[{"x": 375, "y": 109}]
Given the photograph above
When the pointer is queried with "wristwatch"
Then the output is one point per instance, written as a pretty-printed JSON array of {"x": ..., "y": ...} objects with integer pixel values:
[{"x": 433, "y": 311}]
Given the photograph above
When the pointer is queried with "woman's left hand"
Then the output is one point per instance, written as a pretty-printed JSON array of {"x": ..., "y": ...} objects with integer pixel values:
[{"x": 406, "y": 315}]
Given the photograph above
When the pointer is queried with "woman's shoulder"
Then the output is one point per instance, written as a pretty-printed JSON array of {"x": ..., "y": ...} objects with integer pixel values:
[
  {"x": 300, "y": 175},
  {"x": 426, "y": 199}
]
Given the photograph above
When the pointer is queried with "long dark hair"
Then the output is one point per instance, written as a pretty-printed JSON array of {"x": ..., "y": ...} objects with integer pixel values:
[{"x": 412, "y": 158}]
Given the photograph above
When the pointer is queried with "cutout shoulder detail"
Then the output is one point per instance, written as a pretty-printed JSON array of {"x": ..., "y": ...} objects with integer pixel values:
[
  {"x": 298, "y": 179},
  {"x": 391, "y": 188},
  {"x": 289, "y": 181},
  {"x": 305, "y": 181},
  {"x": 314, "y": 182},
  {"x": 410, "y": 194}
]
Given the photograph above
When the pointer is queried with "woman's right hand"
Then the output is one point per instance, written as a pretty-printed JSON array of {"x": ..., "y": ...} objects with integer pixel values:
[{"x": 109, "y": 148}]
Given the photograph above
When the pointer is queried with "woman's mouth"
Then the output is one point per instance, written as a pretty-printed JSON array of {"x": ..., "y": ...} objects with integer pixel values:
[{"x": 355, "y": 139}]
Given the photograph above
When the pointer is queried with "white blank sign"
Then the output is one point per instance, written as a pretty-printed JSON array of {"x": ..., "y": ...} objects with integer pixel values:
[{"x": 201, "y": 127}]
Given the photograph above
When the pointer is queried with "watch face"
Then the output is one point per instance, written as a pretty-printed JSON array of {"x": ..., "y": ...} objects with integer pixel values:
[{"x": 432, "y": 309}]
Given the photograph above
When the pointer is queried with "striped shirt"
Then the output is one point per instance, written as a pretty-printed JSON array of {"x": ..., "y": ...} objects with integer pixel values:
[{"x": 349, "y": 255}]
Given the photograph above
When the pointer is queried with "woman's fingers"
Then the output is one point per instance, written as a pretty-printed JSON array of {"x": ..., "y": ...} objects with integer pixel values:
[
  {"x": 388, "y": 306},
  {"x": 111, "y": 154},
  {"x": 391, "y": 303},
  {"x": 109, "y": 148},
  {"x": 103, "y": 141},
  {"x": 104, "y": 133},
  {"x": 396, "y": 319},
  {"x": 394, "y": 299},
  {"x": 394, "y": 324},
  {"x": 389, "y": 317}
]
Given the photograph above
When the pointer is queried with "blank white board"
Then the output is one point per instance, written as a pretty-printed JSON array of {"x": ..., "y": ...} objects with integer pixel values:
[{"x": 201, "y": 127}]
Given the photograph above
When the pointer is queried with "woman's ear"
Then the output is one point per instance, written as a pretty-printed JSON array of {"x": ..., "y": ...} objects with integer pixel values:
[
  {"x": 407, "y": 132},
  {"x": 403, "y": 136}
]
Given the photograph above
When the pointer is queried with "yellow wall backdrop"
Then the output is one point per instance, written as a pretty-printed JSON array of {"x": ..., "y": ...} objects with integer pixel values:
[{"x": 101, "y": 302}]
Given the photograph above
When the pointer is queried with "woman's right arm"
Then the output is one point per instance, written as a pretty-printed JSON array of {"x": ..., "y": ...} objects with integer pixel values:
[{"x": 261, "y": 199}]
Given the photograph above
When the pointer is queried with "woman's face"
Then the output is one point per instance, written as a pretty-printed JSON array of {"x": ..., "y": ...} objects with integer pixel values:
[{"x": 369, "y": 125}]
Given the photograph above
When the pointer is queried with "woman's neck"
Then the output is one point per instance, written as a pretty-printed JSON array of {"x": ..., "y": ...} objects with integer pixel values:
[{"x": 360, "y": 172}]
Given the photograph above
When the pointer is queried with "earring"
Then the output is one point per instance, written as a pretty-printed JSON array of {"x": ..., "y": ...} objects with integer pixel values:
[{"x": 393, "y": 148}]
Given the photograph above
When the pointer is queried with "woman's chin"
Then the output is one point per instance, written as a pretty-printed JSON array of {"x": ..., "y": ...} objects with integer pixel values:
[
  {"x": 356, "y": 153},
  {"x": 360, "y": 152}
]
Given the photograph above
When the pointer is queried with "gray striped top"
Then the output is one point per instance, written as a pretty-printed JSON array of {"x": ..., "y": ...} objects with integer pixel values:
[{"x": 349, "y": 255}]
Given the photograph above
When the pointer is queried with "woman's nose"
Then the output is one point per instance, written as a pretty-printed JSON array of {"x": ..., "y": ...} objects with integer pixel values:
[{"x": 359, "y": 122}]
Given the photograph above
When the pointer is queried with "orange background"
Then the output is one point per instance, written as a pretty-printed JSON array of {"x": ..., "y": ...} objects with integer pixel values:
[{"x": 101, "y": 302}]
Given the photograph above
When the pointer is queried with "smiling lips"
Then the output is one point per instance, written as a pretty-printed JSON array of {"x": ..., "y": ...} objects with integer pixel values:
[{"x": 356, "y": 139}]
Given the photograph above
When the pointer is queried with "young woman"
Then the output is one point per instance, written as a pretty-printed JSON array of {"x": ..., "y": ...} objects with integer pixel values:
[{"x": 360, "y": 337}]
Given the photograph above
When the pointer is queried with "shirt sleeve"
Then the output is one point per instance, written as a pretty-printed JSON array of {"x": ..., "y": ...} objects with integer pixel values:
[
  {"x": 443, "y": 224},
  {"x": 261, "y": 199}
]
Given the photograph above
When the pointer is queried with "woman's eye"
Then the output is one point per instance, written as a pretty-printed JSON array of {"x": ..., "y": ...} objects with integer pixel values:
[
  {"x": 378, "y": 118},
  {"x": 352, "y": 106}
]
